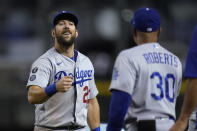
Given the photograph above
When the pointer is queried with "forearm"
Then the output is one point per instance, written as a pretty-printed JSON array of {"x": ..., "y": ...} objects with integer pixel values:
[
  {"x": 37, "y": 95},
  {"x": 93, "y": 116},
  {"x": 190, "y": 100},
  {"x": 119, "y": 105}
]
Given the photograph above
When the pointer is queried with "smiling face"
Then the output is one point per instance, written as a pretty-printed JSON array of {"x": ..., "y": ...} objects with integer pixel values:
[{"x": 65, "y": 33}]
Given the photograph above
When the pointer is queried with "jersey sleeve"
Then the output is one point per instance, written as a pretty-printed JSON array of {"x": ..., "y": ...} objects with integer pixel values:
[
  {"x": 124, "y": 74},
  {"x": 191, "y": 62},
  {"x": 191, "y": 65},
  {"x": 40, "y": 73},
  {"x": 92, "y": 85}
]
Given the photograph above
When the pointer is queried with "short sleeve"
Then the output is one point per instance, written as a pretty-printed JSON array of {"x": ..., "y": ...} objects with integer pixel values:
[
  {"x": 191, "y": 61},
  {"x": 191, "y": 65},
  {"x": 40, "y": 73},
  {"x": 124, "y": 74},
  {"x": 92, "y": 85}
]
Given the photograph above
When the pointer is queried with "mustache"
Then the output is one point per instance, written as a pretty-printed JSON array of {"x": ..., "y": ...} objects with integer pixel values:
[{"x": 65, "y": 31}]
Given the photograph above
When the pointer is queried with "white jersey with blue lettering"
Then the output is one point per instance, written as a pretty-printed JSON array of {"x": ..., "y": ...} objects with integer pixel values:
[
  {"x": 152, "y": 76},
  {"x": 63, "y": 109}
]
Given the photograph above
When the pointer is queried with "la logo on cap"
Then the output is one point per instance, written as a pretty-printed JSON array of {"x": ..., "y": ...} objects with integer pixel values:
[
  {"x": 146, "y": 20},
  {"x": 149, "y": 29},
  {"x": 147, "y": 9}
]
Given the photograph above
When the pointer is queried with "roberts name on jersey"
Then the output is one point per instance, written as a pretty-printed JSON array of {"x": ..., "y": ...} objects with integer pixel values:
[{"x": 161, "y": 58}]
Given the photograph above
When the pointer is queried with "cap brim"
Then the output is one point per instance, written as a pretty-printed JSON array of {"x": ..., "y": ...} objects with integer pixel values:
[{"x": 65, "y": 16}]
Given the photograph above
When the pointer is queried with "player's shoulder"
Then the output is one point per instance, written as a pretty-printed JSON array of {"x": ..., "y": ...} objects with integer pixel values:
[
  {"x": 125, "y": 55},
  {"x": 169, "y": 52},
  {"x": 45, "y": 58},
  {"x": 83, "y": 57},
  {"x": 173, "y": 55}
]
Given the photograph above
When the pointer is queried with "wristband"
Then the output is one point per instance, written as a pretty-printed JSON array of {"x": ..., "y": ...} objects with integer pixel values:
[
  {"x": 51, "y": 89},
  {"x": 96, "y": 129}
]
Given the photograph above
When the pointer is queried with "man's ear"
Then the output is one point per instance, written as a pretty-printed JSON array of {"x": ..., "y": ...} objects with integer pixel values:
[
  {"x": 134, "y": 32},
  {"x": 134, "y": 35},
  {"x": 53, "y": 33},
  {"x": 77, "y": 33},
  {"x": 159, "y": 31}
]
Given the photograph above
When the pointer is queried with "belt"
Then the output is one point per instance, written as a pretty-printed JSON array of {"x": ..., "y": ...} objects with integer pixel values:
[
  {"x": 131, "y": 120},
  {"x": 170, "y": 118},
  {"x": 70, "y": 127}
]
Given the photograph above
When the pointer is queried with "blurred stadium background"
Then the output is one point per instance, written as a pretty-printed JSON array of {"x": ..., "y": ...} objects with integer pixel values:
[{"x": 104, "y": 30}]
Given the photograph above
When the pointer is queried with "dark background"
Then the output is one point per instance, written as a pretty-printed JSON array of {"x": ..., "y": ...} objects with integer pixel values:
[{"x": 104, "y": 30}]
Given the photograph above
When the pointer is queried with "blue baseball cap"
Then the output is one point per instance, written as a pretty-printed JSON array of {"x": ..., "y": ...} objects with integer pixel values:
[
  {"x": 65, "y": 15},
  {"x": 146, "y": 20}
]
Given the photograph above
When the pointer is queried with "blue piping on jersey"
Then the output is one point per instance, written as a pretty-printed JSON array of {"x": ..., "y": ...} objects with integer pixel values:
[
  {"x": 196, "y": 119},
  {"x": 74, "y": 58},
  {"x": 75, "y": 93}
]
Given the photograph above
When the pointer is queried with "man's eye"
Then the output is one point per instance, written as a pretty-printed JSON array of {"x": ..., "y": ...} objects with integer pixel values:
[
  {"x": 61, "y": 23},
  {"x": 71, "y": 23}
]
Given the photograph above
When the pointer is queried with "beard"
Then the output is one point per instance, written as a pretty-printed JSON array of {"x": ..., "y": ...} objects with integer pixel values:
[{"x": 65, "y": 43}]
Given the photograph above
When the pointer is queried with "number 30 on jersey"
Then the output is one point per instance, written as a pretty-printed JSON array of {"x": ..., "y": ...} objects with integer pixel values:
[{"x": 167, "y": 87}]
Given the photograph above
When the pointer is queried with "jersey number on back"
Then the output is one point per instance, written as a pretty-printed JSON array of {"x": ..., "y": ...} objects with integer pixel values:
[{"x": 167, "y": 86}]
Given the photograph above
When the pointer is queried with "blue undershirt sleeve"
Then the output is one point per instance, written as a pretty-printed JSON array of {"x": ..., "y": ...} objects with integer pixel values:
[{"x": 119, "y": 104}]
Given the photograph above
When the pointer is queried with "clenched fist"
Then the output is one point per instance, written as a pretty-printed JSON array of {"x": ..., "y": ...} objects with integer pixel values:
[{"x": 64, "y": 84}]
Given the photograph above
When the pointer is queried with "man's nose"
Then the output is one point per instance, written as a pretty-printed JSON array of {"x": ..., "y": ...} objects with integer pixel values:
[{"x": 66, "y": 25}]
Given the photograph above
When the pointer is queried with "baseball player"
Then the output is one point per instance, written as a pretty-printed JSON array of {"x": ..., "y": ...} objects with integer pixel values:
[
  {"x": 190, "y": 99},
  {"x": 146, "y": 80},
  {"x": 61, "y": 83}
]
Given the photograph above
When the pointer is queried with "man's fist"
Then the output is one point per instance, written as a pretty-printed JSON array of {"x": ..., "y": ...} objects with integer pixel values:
[{"x": 64, "y": 84}]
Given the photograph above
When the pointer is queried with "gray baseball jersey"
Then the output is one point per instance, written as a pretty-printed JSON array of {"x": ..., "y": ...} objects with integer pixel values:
[
  {"x": 63, "y": 109},
  {"x": 152, "y": 76}
]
